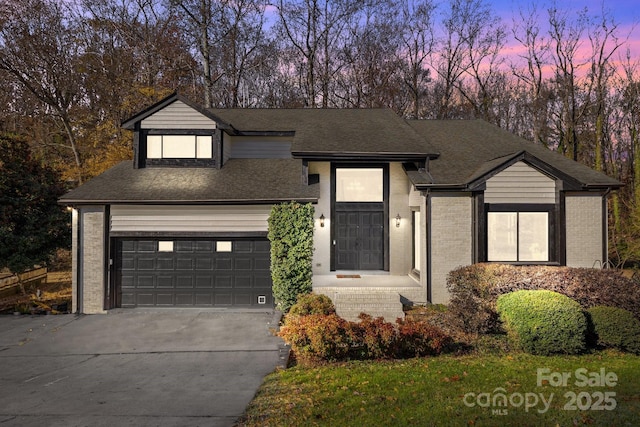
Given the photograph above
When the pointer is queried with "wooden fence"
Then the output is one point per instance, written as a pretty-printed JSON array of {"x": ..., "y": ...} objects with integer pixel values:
[{"x": 26, "y": 277}]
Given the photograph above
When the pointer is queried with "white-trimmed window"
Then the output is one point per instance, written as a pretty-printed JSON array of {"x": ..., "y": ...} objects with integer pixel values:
[
  {"x": 519, "y": 234},
  {"x": 179, "y": 146},
  {"x": 417, "y": 253}
]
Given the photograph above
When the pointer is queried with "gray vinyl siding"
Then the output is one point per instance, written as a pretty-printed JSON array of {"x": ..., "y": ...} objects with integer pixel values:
[
  {"x": 189, "y": 219},
  {"x": 255, "y": 147},
  {"x": 178, "y": 116},
  {"x": 520, "y": 183}
]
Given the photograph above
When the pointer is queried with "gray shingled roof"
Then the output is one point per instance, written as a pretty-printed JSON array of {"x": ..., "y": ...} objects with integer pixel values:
[
  {"x": 469, "y": 152},
  {"x": 334, "y": 132},
  {"x": 239, "y": 181},
  {"x": 474, "y": 149}
]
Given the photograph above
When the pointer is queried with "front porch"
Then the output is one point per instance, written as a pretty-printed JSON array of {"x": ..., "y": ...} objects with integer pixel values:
[{"x": 376, "y": 293}]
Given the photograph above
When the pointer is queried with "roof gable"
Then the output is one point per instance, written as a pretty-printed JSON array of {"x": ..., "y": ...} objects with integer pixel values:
[
  {"x": 164, "y": 115},
  {"x": 471, "y": 151}
]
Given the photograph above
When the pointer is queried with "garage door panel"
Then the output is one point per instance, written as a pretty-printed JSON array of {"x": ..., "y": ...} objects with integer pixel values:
[
  {"x": 223, "y": 282},
  {"x": 223, "y": 299},
  {"x": 182, "y": 246},
  {"x": 165, "y": 282},
  {"x": 185, "y": 299},
  {"x": 146, "y": 246},
  {"x": 262, "y": 282},
  {"x": 243, "y": 298},
  {"x": 243, "y": 264},
  {"x": 203, "y": 246},
  {"x": 204, "y": 264},
  {"x": 145, "y": 263},
  {"x": 196, "y": 272},
  {"x": 184, "y": 282},
  {"x": 165, "y": 263},
  {"x": 128, "y": 264},
  {"x": 147, "y": 299},
  {"x": 224, "y": 264},
  {"x": 204, "y": 282},
  {"x": 262, "y": 264},
  {"x": 186, "y": 264},
  {"x": 147, "y": 282},
  {"x": 204, "y": 299}
]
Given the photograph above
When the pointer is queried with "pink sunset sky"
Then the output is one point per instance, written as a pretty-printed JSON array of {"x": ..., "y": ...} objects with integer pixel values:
[{"x": 624, "y": 13}]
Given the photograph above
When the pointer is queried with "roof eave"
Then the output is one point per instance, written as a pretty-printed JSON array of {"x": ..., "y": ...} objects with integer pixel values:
[
  {"x": 362, "y": 156},
  {"x": 78, "y": 202}
]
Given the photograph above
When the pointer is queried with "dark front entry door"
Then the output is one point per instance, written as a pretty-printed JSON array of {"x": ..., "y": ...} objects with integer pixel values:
[{"x": 359, "y": 236}]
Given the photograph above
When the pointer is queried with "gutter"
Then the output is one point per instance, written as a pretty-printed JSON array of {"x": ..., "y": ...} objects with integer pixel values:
[
  {"x": 363, "y": 156},
  {"x": 76, "y": 202}
]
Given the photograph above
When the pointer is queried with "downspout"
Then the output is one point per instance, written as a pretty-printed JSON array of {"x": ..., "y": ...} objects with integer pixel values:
[{"x": 605, "y": 228}]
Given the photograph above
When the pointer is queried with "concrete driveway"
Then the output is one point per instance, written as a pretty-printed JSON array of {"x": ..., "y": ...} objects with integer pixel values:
[{"x": 134, "y": 367}]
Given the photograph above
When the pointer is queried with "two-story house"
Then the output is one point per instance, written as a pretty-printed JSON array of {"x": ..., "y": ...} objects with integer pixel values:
[{"x": 398, "y": 204}]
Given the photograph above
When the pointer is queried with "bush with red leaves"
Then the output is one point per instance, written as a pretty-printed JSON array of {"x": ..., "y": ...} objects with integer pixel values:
[{"x": 474, "y": 290}]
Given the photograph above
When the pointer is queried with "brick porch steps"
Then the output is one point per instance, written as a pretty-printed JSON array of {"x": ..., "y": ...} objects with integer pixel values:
[{"x": 378, "y": 303}]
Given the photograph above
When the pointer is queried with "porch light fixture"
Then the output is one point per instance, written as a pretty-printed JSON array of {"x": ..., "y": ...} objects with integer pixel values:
[
  {"x": 321, "y": 220},
  {"x": 398, "y": 218}
]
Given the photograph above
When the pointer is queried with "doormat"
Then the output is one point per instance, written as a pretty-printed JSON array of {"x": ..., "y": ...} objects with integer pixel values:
[{"x": 348, "y": 276}]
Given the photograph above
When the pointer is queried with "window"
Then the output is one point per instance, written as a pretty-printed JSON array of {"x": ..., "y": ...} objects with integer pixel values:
[
  {"x": 519, "y": 235},
  {"x": 179, "y": 146},
  {"x": 359, "y": 185},
  {"x": 164, "y": 246},
  {"x": 416, "y": 241}
]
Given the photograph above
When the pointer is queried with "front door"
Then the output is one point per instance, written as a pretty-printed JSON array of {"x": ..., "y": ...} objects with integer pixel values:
[
  {"x": 359, "y": 212},
  {"x": 359, "y": 232}
]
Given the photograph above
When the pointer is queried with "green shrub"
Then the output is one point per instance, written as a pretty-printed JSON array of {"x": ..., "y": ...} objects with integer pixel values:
[
  {"x": 543, "y": 322},
  {"x": 317, "y": 337},
  {"x": 474, "y": 290},
  {"x": 613, "y": 327},
  {"x": 418, "y": 339},
  {"x": 312, "y": 304},
  {"x": 291, "y": 236}
]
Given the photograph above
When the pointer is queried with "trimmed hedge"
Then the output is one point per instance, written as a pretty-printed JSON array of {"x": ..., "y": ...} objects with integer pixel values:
[
  {"x": 317, "y": 338},
  {"x": 613, "y": 327},
  {"x": 312, "y": 304},
  {"x": 474, "y": 290},
  {"x": 543, "y": 322},
  {"x": 291, "y": 236}
]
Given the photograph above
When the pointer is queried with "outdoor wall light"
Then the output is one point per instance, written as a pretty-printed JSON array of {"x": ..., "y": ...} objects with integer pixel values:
[
  {"x": 321, "y": 220},
  {"x": 398, "y": 218}
]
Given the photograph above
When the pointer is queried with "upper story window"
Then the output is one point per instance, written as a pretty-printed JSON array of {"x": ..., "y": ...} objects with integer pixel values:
[{"x": 179, "y": 147}]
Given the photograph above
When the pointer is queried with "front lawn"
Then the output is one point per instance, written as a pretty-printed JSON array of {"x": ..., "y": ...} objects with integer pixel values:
[{"x": 479, "y": 390}]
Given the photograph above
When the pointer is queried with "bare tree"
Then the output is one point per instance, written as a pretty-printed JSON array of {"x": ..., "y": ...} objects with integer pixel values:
[
  {"x": 530, "y": 72},
  {"x": 314, "y": 29},
  {"x": 566, "y": 40},
  {"x": 415, "y": 50},
  {"x": 471, "y": 35},
  {"x": 39, "y": 49}
]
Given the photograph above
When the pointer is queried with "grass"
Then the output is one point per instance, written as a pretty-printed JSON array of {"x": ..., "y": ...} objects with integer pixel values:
[{"x": 431, "y": 391}]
